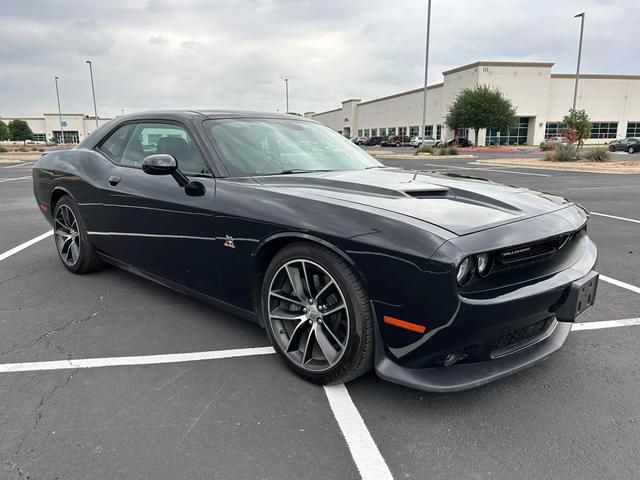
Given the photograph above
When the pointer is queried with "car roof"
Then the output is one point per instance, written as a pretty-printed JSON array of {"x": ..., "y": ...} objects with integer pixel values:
[{"x": 210, "y": 113}]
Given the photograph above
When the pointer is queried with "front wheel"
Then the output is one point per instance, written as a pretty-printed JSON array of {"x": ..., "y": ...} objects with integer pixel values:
[
  {"x": 75, "y": 250},
  {"x": 631, "y": 150},
  {"x": 317, "y": 314}
]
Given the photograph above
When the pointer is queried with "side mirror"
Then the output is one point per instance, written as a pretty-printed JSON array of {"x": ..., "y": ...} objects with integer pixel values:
[
  {"x": 159, "y": 164},
  {"x": 164, "y": 164}
]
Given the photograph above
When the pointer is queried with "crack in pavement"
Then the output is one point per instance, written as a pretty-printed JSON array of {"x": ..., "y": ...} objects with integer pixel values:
[
  {"x": 97, "y": 308},
  {"x": 38, "y": 410}
]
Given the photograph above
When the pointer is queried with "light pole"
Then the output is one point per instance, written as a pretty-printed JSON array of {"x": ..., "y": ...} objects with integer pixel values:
[
  {"x": 426, "y": 72},
  {"x": 286, "y": 92},
  {"x": 59, "y": 109},
  {"x": 575, "y": 91},
  {"x": 93, "y": 92}
]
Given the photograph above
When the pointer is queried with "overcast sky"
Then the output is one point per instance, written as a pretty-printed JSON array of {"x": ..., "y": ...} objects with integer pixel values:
[{"x": 235, "y": 54}]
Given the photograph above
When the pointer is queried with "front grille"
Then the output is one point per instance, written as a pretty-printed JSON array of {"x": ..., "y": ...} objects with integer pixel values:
[
  {"x": 534, "y": 251},
  {"x": 516, "y": 339}
]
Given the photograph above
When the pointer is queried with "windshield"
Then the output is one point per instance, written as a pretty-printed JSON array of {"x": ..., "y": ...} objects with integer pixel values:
[{"x": 267, "y": 146}]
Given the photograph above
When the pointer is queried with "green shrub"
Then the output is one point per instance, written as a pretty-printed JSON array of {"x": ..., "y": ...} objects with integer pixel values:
[
  {"x": 23, "y": 149},
  {"x": 452, "y": 151},
  {"x": 597, "y": 154},
  {"x": 41, "y": 149},
  {"x": 564, "y": 153},
  {"x": 34, "y": 149},
  {"x": 545, "y": 147},
  {"x": 548, "y": 155},
  {"x": 424, "y": 150}
]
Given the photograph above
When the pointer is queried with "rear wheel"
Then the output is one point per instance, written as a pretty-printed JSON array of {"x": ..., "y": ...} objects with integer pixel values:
[
  {"x": 612, "y": 148},
  {"x": 75, "y": 250},
  {"x": 317, "y": 314},
  {"x": 631, "y": 150}
]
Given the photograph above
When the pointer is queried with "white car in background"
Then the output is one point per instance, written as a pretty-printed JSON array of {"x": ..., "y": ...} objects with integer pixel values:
[{"x": 428, "y": 142}]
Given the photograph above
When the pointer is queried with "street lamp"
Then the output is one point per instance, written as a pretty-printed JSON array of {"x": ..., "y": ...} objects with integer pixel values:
[
  {"x": 426, "y": 72},
  {"x": 59, "y": 109},
  {"x": 93, "y": 91},
  {"x": 575, "y": 91},
  {"x": 286, "y": 92}
]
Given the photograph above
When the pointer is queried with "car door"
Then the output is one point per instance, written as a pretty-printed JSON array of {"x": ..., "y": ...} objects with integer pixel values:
[{"x": 154, "y": 225}]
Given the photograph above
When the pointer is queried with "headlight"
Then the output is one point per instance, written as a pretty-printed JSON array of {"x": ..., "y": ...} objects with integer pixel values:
[
  {"x": 483, "y": 262},
  {"x": 464, "y": 271}
]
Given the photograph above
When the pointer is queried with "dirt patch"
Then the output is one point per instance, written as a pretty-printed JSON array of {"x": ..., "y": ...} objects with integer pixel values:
[{"x": 613, "y": 166}]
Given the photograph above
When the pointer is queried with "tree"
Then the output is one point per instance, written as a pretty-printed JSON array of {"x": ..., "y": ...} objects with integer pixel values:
[
  {"x": 4, "y": 131},
  {"x": 578, "y": 126},
  {"x": 20, "y": 131},
  {"x": 481, "y": 107}
]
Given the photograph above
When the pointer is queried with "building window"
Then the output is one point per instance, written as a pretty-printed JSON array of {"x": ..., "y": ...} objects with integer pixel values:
[
  {"x": 511, "y": 136},
  {"x": 391, "y": 131},
  {"x": 402, "y": 131},
  {"x": 633, "y": 129},
  {"x": 604, "y": 129},
  {"x": 39, "y": 137},
  {"x": 360, "y": 132},
  {"x": 413, "y": 131},
  {"x": 428, "y": 131},
  {"x": 374, "y": 132},
  {"x": 70, "y": 136},
  {"x": 439, "y": 132},
  {"x": 382, "y": 132},
  {"x": 461, "y": 133},
  {"x": 554, "y": 129},
  {"x": 366, "y": 132}
]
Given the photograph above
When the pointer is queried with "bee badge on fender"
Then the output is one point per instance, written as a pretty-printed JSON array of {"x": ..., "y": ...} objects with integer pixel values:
[{"x": 228, "y": 242}]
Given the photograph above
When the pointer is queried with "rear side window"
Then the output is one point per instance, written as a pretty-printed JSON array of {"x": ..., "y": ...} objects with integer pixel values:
[{"x": 114, "y": 145}]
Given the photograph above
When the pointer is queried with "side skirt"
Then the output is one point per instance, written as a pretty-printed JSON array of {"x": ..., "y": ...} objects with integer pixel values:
[{"x": 241, "y": 312}]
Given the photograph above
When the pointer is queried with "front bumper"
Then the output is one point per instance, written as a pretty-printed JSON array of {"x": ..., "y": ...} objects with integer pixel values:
[{"x": 479, "y": 326}]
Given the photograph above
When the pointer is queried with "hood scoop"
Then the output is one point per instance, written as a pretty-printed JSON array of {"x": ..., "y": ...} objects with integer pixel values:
[{"x": 417, "y": 190}]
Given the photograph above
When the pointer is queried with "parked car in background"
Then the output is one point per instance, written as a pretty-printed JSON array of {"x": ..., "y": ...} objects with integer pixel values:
[
  {"x": 359, "y": 140},
  {"x": 397, "y": 141},
  {"x": 456, "y": 142},
  {"x": 630, "y": 145},
  {"x": 550, "y": 143},
  {"x": 428, "y": 142},
  {"x": 375, "y": 140}
]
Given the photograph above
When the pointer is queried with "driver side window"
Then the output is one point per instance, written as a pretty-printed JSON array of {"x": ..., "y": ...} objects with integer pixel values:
[{"x": 152, "y": 138}]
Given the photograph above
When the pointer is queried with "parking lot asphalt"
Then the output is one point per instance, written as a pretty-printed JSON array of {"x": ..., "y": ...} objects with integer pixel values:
[{"x": 576, "y": 415}]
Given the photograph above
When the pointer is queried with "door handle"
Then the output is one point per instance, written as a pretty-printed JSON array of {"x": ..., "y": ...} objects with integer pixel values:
[{"x": 113, "y": 180}]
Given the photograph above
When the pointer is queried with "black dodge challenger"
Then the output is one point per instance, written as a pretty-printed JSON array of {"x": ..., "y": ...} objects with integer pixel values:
[{"x": 439, "y": 282}]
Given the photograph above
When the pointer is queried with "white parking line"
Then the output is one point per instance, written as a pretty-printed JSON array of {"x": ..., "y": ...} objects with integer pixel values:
[
  {"x": 625, "y": 322},
  {"x": 615, "y": 217},
  {"x": 21, "y": 165},
  {"x": 12, "y": 179},
  {"x": 364, "y": 450},
  {"x": 72, "y": 364},
  {"x": 485, "y": 170},
  {"x": 618, "y": 283},
  {"x": 24, "y": 245}
]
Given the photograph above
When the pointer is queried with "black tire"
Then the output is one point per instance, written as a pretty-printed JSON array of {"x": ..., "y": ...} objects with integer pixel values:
[
  {"x": 612, "y": 148},
  {"x": 88, "y": 259},
  {"x": 358, "y": 355},
  {"x": 631, "y": 150},
  {"x": 397, "y": 144}
]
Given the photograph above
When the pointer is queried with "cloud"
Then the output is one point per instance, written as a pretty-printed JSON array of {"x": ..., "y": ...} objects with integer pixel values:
[{"x": 221, "y": 54}]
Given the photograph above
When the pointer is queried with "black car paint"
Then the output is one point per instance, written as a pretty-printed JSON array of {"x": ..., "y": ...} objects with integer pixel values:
[{"x": 403, "y": 234}]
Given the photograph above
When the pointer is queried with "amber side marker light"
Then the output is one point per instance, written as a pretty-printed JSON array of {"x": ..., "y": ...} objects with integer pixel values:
[{"x": 396, "y": 322}]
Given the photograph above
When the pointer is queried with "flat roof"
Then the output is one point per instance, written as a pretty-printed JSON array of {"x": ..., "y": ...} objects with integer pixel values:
[
  {"x": 498, "y": 64},
  {"x": 596, "y": 76},
  {"x": 408, "y": 92}
]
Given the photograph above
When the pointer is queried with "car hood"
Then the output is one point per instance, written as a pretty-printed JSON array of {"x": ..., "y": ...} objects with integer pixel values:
[{"x": 457, "y": 203}]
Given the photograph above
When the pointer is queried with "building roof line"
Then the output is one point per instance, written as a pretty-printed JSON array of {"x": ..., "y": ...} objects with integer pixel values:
[
  {"x": 328, "y": 111},
  {"x": 400, "y": 94},
  {"x": 483, "y": 63},
  {"x": 596, "y": 76}
]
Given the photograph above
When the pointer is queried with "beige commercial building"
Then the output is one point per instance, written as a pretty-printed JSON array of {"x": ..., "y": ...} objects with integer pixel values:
[
  {"x": 76, "y": 126},
  {"x": 541, "y": 99}
]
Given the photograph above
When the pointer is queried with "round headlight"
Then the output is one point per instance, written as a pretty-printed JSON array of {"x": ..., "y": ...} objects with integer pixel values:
[
  {"x": 483, "y": 262},
  {"x": 464, "y": 271}
]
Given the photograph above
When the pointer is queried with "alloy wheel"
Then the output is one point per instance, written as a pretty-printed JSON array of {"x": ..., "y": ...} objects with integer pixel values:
[
  {"x": 67, "y": 235},
  {"x": 308, "y": 315}
]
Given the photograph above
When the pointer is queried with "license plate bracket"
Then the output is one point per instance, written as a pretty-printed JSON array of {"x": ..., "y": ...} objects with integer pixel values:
[{"x": 581, "y": 297}]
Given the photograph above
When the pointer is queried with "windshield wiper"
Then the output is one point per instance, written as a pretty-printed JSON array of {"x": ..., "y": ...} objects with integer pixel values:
[
  {"x": 297, "y": 170},
  {"x": 375, "y": 166}
]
